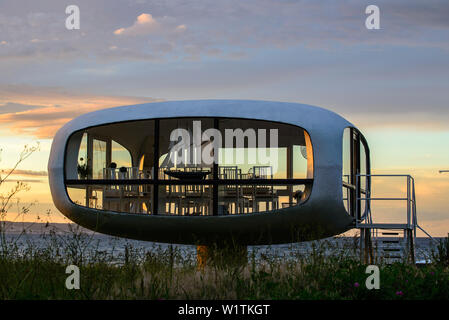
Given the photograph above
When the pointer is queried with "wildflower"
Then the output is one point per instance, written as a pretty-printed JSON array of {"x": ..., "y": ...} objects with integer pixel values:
[
  {"x": 356, "y": 284},
  {"x": 399, "y": 293}
]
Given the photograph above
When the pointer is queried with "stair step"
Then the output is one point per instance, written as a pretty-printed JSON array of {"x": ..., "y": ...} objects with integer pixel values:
[
  {"x": 390, "y": 241},
  {"x": 392, "y": 249},
  {"x": 390, "y": 233}
]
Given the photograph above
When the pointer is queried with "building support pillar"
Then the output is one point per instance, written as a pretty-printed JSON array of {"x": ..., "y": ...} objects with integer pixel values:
[{"x": 366, "y": 246}]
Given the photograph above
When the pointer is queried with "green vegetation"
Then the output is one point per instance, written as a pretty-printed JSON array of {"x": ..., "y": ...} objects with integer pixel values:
[
  {"x": 39, "y": 273},
  {"x": 35, "y": 268},
  {"x": 441, "y": 255}
]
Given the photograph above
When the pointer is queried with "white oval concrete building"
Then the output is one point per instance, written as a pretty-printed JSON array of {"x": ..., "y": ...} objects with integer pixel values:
[{"x": 196, "y": 172}]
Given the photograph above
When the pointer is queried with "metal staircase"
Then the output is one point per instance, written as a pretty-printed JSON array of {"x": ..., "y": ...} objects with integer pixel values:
[
  {"x": 391, "y": 246},
  {"x": 397, "y": 240}
]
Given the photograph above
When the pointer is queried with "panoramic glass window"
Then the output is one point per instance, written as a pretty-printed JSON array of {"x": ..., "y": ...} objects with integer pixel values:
[
  {"x": 182, "y": 142},
  {"x": 355, "y": 171},
  {"x": 266, "y": 151},
  {"x": 120, "y": 155},
  {"x": 190, "y": 166},
  {"x": 98, "y": 158}
]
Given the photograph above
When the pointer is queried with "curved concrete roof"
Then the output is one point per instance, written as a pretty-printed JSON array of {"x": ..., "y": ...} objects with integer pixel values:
[{"x": 302, "y": 115}]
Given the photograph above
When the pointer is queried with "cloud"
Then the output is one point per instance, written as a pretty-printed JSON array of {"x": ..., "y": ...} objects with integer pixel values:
[
  {"x": 32, "y": 173},
  {"x": 11, "y": 107},
  {"x": 163, "y": 32},
  {"x": 181, "y": 28},
  {"x": 405, "y": 80},
  {"x": 144, "y": 24},
  {"x": 26, "y": 180},
  {"x": 58, "y": 107},
  {"x": 236, "y": 24}
]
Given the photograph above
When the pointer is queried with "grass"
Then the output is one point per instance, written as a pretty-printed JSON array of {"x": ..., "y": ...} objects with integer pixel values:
[
  {"x": 36, "y": 269},
  {"x": 38, "y": 272}
]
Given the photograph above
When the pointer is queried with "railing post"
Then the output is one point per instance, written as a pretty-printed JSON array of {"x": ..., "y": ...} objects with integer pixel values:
[
  {"x": 411, "y": 244},
  {"x": 415, "y": 218},
  {"x": 408, "y": 201},
  {"x": 414, "y": 209}
]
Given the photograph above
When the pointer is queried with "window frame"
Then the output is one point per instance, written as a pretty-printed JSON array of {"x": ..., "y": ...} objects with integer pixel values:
[
  {"x": 215, "y": 182},
  {"x": 357, "y": 142}
]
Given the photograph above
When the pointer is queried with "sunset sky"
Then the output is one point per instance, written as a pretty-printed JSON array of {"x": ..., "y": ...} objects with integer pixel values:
[{"x": 392, "y": 83}]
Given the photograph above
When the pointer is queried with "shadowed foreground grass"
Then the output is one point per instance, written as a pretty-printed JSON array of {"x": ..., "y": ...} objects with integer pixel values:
[{"x": 39, "y": 273}]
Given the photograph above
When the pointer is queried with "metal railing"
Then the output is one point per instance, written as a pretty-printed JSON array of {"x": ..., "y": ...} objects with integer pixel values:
[
  {"x": 412, "y": 218},
  {"x": 410, "y": 199}
]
